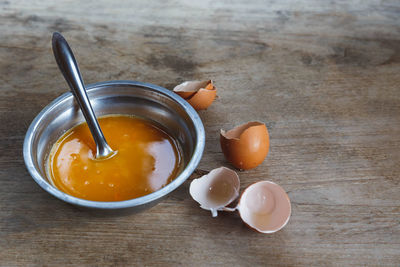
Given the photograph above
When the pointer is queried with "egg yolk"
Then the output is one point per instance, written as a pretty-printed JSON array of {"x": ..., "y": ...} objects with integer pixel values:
[{"x": 146, "y": 160}]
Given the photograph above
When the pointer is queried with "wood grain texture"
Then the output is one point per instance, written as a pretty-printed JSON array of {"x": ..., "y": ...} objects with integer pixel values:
[{"x": 323, "y": 75}]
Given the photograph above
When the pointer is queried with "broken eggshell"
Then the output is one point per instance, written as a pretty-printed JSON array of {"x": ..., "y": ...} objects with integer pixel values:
[
  {"x": 265, "y": 207},
  {"x": 246, "y": 145},
  {"x": 199, "y": 94},
  {"x": 216, "y": 189}
]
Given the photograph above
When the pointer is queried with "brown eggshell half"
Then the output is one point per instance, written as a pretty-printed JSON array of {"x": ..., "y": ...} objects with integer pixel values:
[
  {"x": 216, "y": 189},
  {"x": 199, "y": 94},
  {"x": 202, "y": 99},
  {"x": 245, "y": 146},
  {"x": 265, "y": 207}
]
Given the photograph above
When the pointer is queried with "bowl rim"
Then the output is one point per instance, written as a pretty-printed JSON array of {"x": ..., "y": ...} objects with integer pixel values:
[{"x": 140, "y": 201}]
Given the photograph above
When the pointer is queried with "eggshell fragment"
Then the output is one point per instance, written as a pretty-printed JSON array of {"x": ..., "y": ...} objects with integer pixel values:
[
  {"x": 265, "y": 207},
  {"x": 246, "y": 145},
  {"x": 199, "y": 94},
  {"x": 216, "y": 189}
]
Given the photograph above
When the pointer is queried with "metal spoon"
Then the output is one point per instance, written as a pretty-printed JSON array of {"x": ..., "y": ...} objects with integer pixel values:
[{"x": 69, "y": 68}]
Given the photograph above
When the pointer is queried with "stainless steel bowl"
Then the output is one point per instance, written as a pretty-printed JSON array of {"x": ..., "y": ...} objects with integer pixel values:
[{"x": 145, "y": 100}]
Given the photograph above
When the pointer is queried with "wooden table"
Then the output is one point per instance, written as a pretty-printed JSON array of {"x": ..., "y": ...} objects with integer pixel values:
[{"x": 323, "y": 76}]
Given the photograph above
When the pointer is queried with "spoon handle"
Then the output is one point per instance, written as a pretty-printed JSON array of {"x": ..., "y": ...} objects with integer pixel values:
[{"x": 69, "y": 68}]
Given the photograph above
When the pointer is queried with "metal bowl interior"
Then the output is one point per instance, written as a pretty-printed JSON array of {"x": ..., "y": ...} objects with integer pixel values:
[{"x": 148, "y": 101}]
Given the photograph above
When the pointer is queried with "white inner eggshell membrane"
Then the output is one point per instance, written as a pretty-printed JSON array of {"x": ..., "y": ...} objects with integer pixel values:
[
  {"x": 191, "y": 86},
  {"x": 216, "y": 189},
  {"x": 265, "y": 206}
]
